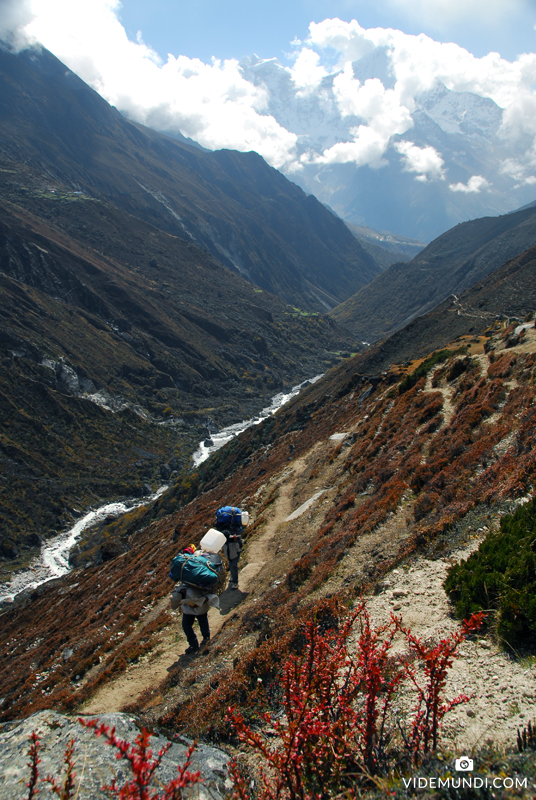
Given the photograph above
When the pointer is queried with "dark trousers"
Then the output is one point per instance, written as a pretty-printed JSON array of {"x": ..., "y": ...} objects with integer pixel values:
[
  {"x": 188, "y": 627},
  {"x": 233, "y": 568}
]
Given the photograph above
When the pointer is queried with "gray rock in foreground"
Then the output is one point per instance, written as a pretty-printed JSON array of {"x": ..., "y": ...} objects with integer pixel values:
[{"x": 95, "y": 760}]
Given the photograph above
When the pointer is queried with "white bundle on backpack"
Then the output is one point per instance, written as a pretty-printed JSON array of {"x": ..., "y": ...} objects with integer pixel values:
[{"x": 212, "y": 541}]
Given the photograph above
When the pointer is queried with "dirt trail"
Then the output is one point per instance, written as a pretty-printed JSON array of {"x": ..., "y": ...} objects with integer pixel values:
[
  {"x": 447, "y": 391},
  {"x": 154, "y": 668},
  {"x": 502, "y": 690}
]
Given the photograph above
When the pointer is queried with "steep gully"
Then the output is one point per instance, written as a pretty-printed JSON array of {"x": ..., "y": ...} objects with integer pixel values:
[{"x": 53, "y": 561}]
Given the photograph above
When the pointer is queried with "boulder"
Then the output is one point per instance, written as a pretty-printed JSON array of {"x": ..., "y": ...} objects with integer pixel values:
[{"x": 95, "y": 760}]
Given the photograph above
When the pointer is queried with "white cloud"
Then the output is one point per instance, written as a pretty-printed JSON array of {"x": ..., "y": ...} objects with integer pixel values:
[
  {"x": 419, "y": 62},
  {"x": 212, "y": 103},
  {"x": 425, "y": 161},
  {"x": 378, "y": 107},
  {"x": 438, "y": 13},
  {"x": 474, "y": 185},
  {"x": 15, "y": 15},
  {"x": 513, "y": 168},
  {"x": 366, "y": 148},
  {"x": 521, "y": 173},
  {"x": 306, "y": 72}
]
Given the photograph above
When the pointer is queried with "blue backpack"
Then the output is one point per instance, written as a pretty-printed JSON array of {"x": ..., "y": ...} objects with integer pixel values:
[
  {"x": 229, "y": 517},
  {"x": 196, "y": 570}
]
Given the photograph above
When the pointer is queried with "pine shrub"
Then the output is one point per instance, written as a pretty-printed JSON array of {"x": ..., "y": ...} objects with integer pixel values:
[
  {"x": 501, "y": 576},
  {"x": 423, "y": 369}
]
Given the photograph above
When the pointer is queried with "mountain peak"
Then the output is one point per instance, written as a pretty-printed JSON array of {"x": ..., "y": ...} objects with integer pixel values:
[{"x": 462, "y": 113}]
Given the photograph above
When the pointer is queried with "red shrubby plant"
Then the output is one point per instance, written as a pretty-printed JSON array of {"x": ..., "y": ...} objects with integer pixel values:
[
  {"x": 318, "y": 750},
  {"x": 66, "y": 790},
  {"x": 140, "y": 759},
  {"x": 34, "y": 761},
  {"x": 143, "y": 766},
  {"x": 436, "y": 661},
  {"x": 337, "y": 729}
]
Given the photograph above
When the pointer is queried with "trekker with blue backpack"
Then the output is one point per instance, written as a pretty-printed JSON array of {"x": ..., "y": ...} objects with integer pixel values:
[{"x": 230, "y": 521}]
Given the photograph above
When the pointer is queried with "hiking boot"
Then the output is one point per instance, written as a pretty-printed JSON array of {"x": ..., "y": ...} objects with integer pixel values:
[
  {"x": 192, "y": 649},
  {"x": 205, "y": 642},
  {"x": 234, "y": 586}
]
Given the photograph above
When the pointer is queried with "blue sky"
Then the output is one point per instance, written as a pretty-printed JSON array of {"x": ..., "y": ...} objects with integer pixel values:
[
  {"x": 236, "y": 28},
  {"x": 174, "y": 66}
]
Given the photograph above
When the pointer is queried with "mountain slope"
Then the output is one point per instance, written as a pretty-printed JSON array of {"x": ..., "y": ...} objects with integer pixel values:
[
  {"x": 363, "y": 473},
  {"x": 385, "y": 248},
  {"x": 451, "y": 263},
  {"x": 120, "y": 344},
  {"x": 231, "y": 204}
]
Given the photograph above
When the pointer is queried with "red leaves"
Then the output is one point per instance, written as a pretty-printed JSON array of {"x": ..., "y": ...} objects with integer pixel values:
[
  {"x": 338, "y": 723},
  {"x": 66, "y": 790},
  {"x": 337, "y": 726},
  {"x": 142, "y": 765},
  {"x": 315, "y": 749},
  {"x": 378, "y": 679},
  {"x": 34, "y": 761},
  {"x": 436, "y": 661}
]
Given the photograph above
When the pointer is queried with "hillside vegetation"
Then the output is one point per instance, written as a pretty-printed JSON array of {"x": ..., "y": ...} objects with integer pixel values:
[
  {"x": 407, "y": 468},
  {"x": 115, "y": 364},
  {"x": 138, "y": 316},
  {"x": 501, "y": 577}
]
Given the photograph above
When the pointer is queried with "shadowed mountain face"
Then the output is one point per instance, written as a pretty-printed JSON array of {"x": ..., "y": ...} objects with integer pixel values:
[
  {"x": 128, "y": 326},
  {"x": 233, "y": 205},
  {"x": 119, "y": 345},
  {"x": 450, "y": 264}
]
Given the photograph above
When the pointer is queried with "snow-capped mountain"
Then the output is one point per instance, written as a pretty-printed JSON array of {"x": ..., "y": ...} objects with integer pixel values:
[{"x": 441, "y": 161}]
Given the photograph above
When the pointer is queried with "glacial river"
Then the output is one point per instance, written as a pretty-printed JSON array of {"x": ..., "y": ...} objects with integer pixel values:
[
  {"x": 53, "y": 561},
  {"x": 217, "y": 440}
]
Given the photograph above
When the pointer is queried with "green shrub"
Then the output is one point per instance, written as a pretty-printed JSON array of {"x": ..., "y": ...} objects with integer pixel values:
[
  {"x": 423, "y": 369},
  {"x": 501, "y": 577}
]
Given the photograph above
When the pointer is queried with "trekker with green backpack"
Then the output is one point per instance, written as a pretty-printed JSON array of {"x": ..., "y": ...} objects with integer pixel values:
[{"x": 196, "y": 570}]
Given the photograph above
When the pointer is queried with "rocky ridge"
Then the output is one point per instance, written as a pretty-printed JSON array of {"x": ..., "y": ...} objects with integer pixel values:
[{"x": 457, "y": 261}]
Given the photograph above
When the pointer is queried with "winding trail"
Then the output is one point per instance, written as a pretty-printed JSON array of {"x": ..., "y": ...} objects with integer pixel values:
[
  {"x": 154, "y": 668},
  {"x": 502, "y": 690}
]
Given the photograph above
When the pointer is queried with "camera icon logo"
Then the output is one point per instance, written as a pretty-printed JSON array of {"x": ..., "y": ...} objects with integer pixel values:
[{"x": 463, "y": 764}]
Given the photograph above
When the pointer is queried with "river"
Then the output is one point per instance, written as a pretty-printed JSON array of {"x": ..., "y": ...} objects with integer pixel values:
[
  {"x": 53, "y": 560},
  {"x": 217, "y": 440}
]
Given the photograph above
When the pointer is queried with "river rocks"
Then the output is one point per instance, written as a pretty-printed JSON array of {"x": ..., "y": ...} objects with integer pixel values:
[{"x": 95, "y": 760}]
